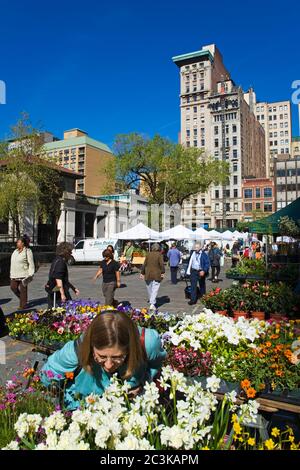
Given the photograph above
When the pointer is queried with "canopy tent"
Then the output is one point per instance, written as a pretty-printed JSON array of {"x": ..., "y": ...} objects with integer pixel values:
[
  {"x": 177, "y": 233},
  {"x": 227, "y": 235},
  {"x": 139, "y": 232},
  {"x": 214, "y": 235},
  {"x": 285, "y": 239},
  {"x": 270, "y": 224},
  {"x": 201, "y": 234}
]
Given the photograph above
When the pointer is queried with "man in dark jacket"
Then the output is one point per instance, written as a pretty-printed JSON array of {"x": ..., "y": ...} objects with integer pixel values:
[
  {"x": 215, "y": 258},
  {"x": 153, "y": 271},
  {"x": 198, "y": 269}
]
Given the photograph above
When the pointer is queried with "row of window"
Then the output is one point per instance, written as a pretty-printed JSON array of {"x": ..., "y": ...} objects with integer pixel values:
[
  {"x": 272, "y": 109},
  {"x": 267, "y": 206},
  {"x": 248, "y": 192},
  {"x": 235, "y": 206},
  {"x": 228, "y": 117},
  {"x": 195, "y": 88},
  {"x": 227, "y": 128},
  {"x": 276, "y": 151},
  {"x": 219, "y": 143},
  {"x": 282, "y": 142},
  {"x": 272, "y": 118},
  {"x": 234, "y": 156},
  {"x": 288, "y": 187},
  {"x": 194, "y": 66},
  {"x": 281, "y": 134},
  {"x": 234, "y": 194}
]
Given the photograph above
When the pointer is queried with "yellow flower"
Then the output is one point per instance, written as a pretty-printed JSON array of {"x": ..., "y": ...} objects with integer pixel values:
[
  {"x": 205, "y": 448},
  {"x": 275, "y": 432},
  {"x": 291, "y": 438},
  {"x": 251, "y": 441},
  {"x": 234, "y": 418},
  {"x": 294, "y": 447},
  {"x": 237, "y": 428},
  {"x": 270, "y": 444}
]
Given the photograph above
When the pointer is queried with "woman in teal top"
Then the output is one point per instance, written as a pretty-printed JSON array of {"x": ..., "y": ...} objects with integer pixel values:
[{"x": 112, "y": 344}]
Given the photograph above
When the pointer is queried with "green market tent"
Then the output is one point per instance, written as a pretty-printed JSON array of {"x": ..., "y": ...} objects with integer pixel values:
[{"x": 270, "y": 224}]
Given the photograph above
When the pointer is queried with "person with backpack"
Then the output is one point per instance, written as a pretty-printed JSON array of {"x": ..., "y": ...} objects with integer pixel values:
[
  {"x": 59, "y": 275},
  {"x": 112, "y": 344},
  {"x": 21, "y": 270}
]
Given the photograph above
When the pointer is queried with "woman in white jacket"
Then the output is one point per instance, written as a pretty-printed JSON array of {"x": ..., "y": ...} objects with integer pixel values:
[{"x": 21, "y": 270}]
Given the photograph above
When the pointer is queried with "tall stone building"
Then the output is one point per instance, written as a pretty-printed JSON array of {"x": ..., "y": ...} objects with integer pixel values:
[
  {"x": 216, "y": 117},
  {"x": 275, "y": 118}
]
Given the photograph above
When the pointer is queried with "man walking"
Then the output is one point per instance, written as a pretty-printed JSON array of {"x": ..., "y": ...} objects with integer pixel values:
[
  {"x": 153, "y": 272},
  {"x": 174, "y": 256},
  {"x": 198, "y": 268}
]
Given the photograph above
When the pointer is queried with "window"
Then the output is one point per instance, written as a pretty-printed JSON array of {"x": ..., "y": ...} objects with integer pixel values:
[
  {"x": 195, "y": 132},
  {"x": 202, "y": 143},
  {"x": 267, "y": 192},
  {"x": 234, "y": 141},
  {"x": 233, "y": 128},
  {"x": 195, "y": 109},
  {"x": 235, "y": 180},
  {"x": 227, "y": 192},
  {"x": 257, "y": 192},
  {"x": 257, "y": 206},
  {"x": 234, "y": 167},
  {"x": 217, "y": 207},
  {"x": 195, "y": 143},
  {"x": 248, "y": 207},
  {"x": 203, "y": 201},
  {"x": 216, "y": 130},
  {"x": 234, "y": 153},
  {"x": 248, "y": 193},
  {"x": 216, "y": 143},
  {"x": 188, "y": 144},
  {"x": 227, "y": 129},
  {"x": 267, "y": 207},
  {"x": 235, "y": 193},
  {"x": 188, "y": 133},
  {"x": 262, "y": 117},
  {"x": 227, "y": 207},
  {"x": 217, "y": 194},
  {"x": 235, "y": 207}
]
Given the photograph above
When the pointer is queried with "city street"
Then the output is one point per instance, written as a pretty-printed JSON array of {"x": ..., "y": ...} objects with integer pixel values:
[{"x": 170, "y": 299}]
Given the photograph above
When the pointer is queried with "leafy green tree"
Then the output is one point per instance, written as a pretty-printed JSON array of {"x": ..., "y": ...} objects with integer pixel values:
[
  {"x": 165, "y": 171},
  {"x": 27, "y": 178}
]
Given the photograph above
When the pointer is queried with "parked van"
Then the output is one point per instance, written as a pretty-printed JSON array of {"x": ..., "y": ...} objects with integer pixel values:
[{"x": 90, "y": 250}]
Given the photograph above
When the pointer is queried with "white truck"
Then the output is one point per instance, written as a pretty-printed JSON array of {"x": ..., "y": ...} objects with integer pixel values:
[{"x": 90, "y": 250}]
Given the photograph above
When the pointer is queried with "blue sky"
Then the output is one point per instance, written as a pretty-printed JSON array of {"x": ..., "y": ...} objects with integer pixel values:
[{"x": 106, "y": 67}]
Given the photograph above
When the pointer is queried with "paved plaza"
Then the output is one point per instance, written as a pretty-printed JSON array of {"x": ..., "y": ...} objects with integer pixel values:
[{"x": 170, "y": 299}]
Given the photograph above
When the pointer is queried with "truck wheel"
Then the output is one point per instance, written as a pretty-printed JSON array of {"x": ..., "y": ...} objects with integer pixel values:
[{"x": 71, "y": 261}]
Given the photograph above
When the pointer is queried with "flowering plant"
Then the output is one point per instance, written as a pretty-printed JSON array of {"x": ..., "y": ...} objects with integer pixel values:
[
  {"x": 190, "y": 418},
  {"x": 189, "y": 361},
  {"x": 216, "y": 300}
]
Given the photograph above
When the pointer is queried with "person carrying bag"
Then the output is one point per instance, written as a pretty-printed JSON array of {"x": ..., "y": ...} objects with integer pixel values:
[{"x": 21, "y": 270}]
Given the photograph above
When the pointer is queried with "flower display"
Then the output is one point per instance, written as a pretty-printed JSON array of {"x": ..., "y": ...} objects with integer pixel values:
[{"x": 192, "y": 418}]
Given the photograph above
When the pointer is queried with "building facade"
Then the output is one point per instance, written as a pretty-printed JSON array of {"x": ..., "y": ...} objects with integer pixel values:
[
  {"x": 275, "y": 118},
  {"x": 258, "y": 198},
  {"x": 79, "y": 152},
  {"x": 295, "y": 149},
  {"x": 287, "y": 180},
  {"x": 216, "y": 118}
]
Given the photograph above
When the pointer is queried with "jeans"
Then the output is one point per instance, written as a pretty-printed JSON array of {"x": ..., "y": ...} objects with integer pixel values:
[
  {"x": 152, "y": 288},
  {"x": 173, "y": 270},
  {"x": 195, "y": 278}
]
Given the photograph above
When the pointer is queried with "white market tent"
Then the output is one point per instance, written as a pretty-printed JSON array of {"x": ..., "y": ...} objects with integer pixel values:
[
  {"x": 201, "y": 234},
  {"x": 228, "y": 235},
  {"x": 214, "y": 235},
  {"x": 177, "y": 233},
  {"x": 139, "y": 232}
]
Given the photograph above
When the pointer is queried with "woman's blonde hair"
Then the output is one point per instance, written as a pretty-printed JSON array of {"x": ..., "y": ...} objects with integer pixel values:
[{"x": 112, "y": 329}]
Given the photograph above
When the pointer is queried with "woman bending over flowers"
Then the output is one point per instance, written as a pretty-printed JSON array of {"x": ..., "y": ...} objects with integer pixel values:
[{"x": 112, "y": 344}]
